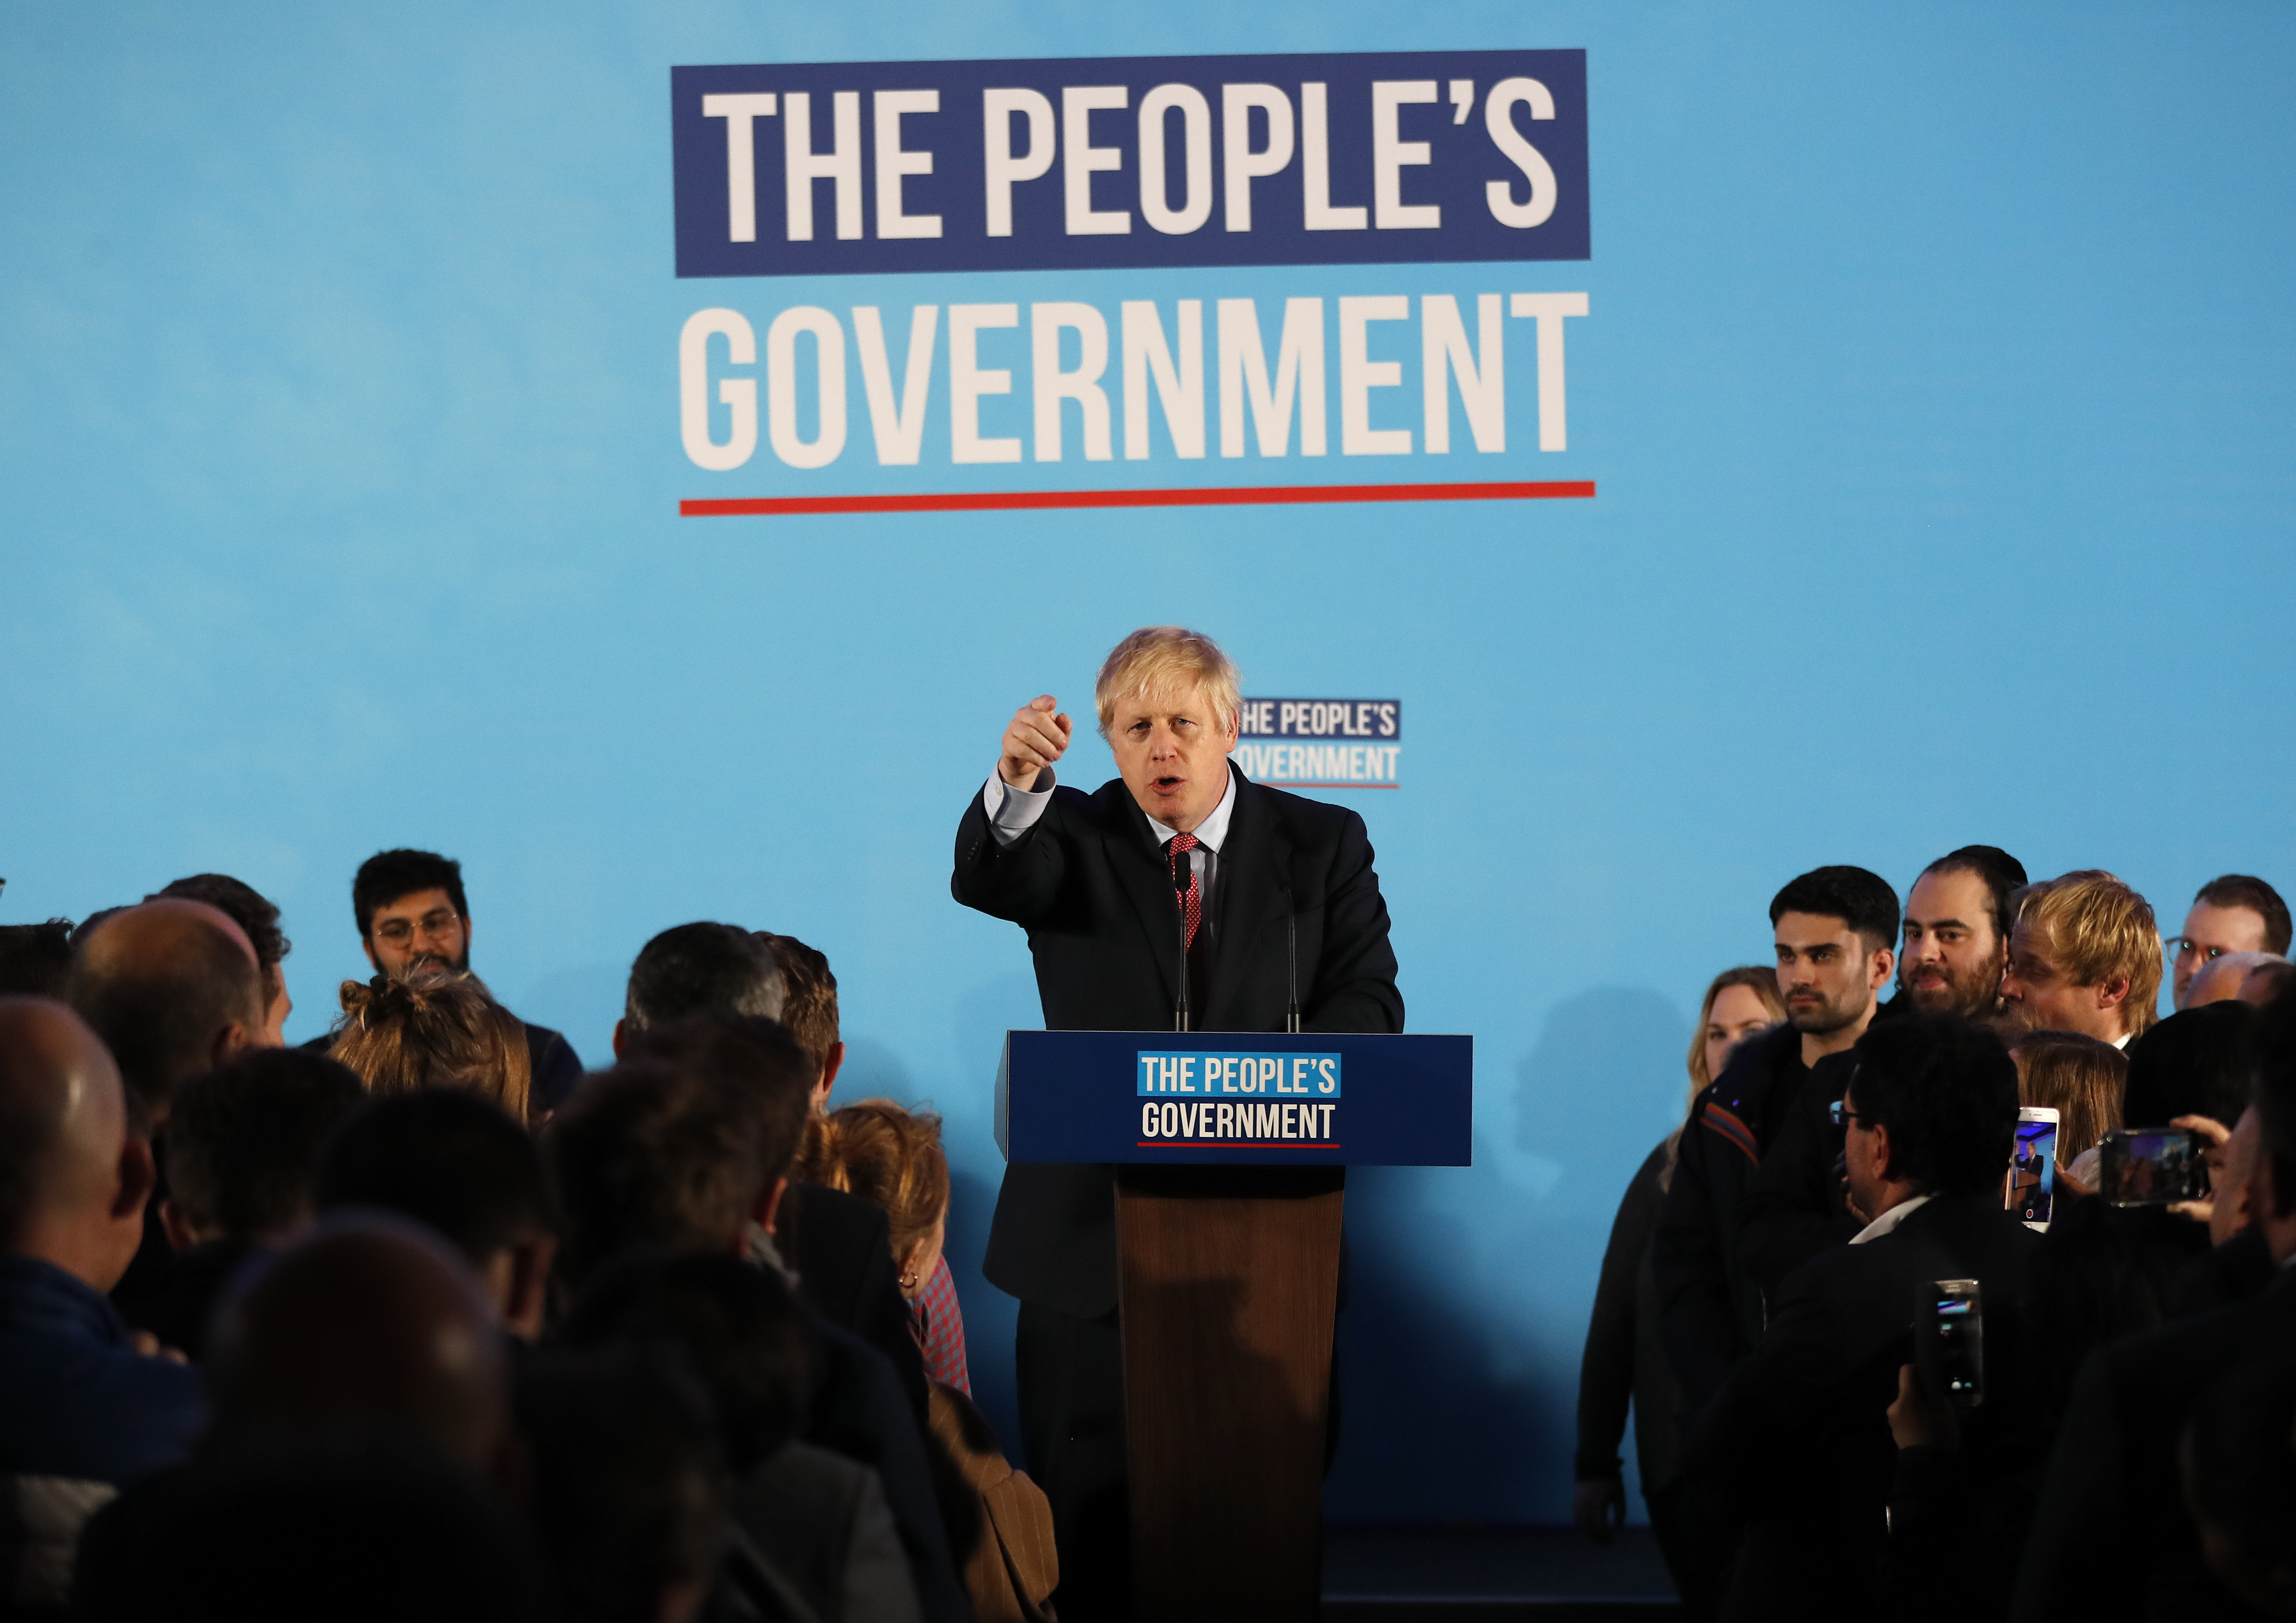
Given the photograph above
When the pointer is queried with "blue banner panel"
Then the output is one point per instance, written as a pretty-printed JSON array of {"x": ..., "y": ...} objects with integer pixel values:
[
  {"x": 1087, "y": 1096},
  {"x": 1370, "y": 158},
  {"x": 1380, "y": 719}
]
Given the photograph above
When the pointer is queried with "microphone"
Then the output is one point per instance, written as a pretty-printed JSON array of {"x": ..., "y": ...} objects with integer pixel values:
[
  {"x": 1291, "y": 966},
  {"x": 1183, "y": 875}
]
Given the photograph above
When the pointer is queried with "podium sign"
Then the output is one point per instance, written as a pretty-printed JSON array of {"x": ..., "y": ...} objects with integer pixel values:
[
  {"x": 1229, "y": 1149},
  {"x": 1236, "y": 1098}
]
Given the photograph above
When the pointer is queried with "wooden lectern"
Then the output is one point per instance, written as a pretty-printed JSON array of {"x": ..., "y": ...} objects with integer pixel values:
[{"x": 1230, "y": 1151}]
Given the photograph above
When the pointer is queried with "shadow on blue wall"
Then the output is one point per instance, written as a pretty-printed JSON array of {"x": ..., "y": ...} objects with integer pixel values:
[
  {"x": 1604, "y": 1081},
  {"x": 1443, "y": 1416},
  {"x": 1434, "y": 1424}
]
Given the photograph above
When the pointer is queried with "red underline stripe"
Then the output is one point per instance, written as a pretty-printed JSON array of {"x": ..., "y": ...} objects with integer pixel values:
[
  {"x": 1247, "y": 496},
  {"x": 1230, "y": 1144}
]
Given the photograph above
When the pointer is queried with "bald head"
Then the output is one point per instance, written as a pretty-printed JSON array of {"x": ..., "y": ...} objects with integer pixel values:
[
  {"x": 72, "y": 1180},
  {"x": 2221, "y": 979},
  {"x": 173, "y": 989},
  {"x": 366, "y": 1322}
]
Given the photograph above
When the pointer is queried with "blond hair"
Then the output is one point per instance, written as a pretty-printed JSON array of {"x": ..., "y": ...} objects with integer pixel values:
[
  {"x": 1763, "y": 982},
  {"x": 2077, "y": 1077},
  {"x": 2099, "y": 930},
  {"x": 889, "y": 1157},
  {"x": 1157, "y": 659},
  {"x": 434, "y": 1030}
]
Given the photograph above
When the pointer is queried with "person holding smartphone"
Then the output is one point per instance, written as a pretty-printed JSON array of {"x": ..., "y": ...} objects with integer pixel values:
[{"x": 1797, "y": 1439}]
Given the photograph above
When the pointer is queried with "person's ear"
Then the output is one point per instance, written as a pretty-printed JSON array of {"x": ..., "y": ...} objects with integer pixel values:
[
  {"x": 830, "y": 1066},
  {"x": 1878, "y": 973},
  {"x": 1881, "y": 1137},
  {"x": 2113, "y": 993},
  {"x": 770, "y": 1205},
  {"x": 2263, "y": 1195},
  {"x": 139, "y": 1176},
  {"x": 228, "y": 1042},
  {"x": 366, "y": 946},
  {"x": 621, "y": 1028},
  {"x": 529, "y": 1285},
  {"x": 181, "y": 1235}
]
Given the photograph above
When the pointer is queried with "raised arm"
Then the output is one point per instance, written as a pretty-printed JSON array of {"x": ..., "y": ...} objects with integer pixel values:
[{"x": 1003, "y": 868}]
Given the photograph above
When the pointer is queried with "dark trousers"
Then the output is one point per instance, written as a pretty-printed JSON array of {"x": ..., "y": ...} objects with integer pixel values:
[
  {"x": 1699, "y": 1544},
  {"x": 1072, "y": 1378}
]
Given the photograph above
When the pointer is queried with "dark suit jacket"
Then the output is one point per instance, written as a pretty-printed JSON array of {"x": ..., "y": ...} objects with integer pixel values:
[
  {"x": 2111, "y": 1538},
  {"x": 1794, "y": 1207},
  {"x": 1799, "y": 1438},
  {"x": 1709, "y": 1312},
  {"x": 179, "y": 1311},
  {"x": 843, "y": 1252},
  {"x": 857, "y": 1408},
  {"x": 1090, "y": 885},
  {"x": 1622, "y": 1361},
  {"x": 818, "y": 1525}
]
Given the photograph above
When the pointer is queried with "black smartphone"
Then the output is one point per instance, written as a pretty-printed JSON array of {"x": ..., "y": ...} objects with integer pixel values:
[
  {"x": 2152, "y": 1167},
  {"x": 1949, "y": 1341}
]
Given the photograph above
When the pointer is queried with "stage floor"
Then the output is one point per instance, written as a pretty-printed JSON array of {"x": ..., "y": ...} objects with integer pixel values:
[{"x": 1451, "y": 1575}]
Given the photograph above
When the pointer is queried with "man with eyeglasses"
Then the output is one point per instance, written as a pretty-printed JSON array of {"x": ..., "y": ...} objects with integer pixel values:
[
  {"x": 2235, "y": 913},
  {"x": 1799, "y": 1438},
  {"x": 411, "y": 917}
]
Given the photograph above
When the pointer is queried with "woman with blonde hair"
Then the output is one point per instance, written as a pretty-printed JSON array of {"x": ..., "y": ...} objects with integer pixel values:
[
  {"x": 1623, "y": 1361},
  {"x": 434, "y": 1030},
  {"x": 893, "y": 1157}
]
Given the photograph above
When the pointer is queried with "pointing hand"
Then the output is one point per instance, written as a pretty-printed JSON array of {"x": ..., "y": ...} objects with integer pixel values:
[{"x": 1038, "y": 737}]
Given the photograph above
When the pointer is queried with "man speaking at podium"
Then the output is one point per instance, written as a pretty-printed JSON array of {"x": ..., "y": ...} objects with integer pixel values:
[{"x": 1181, "y": 859}]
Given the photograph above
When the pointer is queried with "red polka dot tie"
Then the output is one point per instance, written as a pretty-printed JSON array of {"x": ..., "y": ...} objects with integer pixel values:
[{"x": 1192, "y": 898}]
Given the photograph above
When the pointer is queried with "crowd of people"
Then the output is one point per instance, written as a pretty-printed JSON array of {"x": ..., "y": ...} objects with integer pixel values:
[
  {"x": 419, "y": 1319},
  {"x": 1893, "y": 1346},
  {"x": 422, "y": 1317}
]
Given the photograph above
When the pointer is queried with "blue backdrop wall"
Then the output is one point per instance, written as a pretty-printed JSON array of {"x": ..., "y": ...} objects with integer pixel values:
[{"x": 1936, "y": 383}]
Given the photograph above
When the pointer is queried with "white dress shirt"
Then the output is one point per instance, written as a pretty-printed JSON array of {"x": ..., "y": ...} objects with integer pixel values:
[
  {"x": 1014, "y": 812},
  {"x": 1890, "y": 1219}
]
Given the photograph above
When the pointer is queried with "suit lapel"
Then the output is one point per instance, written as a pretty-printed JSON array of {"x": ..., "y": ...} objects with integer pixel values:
[
  {"x": 1254, "y": 863},
  {"x": 1146, "y": 881}
]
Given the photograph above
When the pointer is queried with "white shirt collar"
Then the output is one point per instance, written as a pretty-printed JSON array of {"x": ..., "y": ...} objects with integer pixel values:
[
  {"x": 1212, "y": 832},
  {"x": 1890, "y": 1219},
  {"x": 2124, "y": 1039}
]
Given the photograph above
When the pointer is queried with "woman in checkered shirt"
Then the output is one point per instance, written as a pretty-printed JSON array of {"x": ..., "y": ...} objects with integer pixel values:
[{"x": 893, "y": 1158}]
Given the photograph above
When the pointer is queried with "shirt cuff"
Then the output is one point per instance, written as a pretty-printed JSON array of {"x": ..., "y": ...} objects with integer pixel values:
[{"x": 1014, "y": 812}]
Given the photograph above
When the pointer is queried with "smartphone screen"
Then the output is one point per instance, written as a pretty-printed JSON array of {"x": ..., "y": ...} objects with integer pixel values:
[
  {"x": 1949, "y": 1341},
  {"x": 2152, "y": 1167},
  {"x": 2030, "y": 1188}
]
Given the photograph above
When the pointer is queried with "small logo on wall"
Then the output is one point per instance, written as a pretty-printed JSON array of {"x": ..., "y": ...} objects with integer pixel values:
[{"x": 1323, "y": 743}]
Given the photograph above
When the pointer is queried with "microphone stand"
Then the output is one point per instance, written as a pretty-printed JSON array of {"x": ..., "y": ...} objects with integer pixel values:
[
  {"x": 1181, "y": 877},
  {"x": 1291, "y": 943}
]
